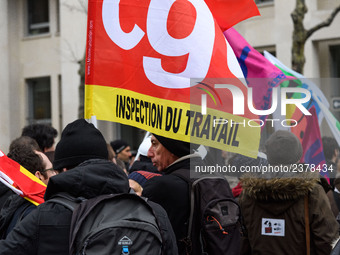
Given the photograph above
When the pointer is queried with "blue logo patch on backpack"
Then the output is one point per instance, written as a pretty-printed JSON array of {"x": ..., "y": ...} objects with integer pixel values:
[{"x": 125, "y": 242}]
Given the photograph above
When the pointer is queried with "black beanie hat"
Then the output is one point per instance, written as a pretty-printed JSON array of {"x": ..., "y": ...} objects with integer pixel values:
[
  {"x": 118, "y": 145},
  {"x": 176, "y": 147},
  {"x": 283, "y": 147},
  {"x": 79, "y": 141}
]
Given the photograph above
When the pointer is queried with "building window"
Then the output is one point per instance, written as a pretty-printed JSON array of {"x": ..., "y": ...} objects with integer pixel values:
[
  {"x": 263, "y": 1},
  {"x": 58, "y": 16},
  {"x": 39, "y": 100},
  {"x": 335, "y": 72},
  {"x": 270, "y": 49},
  {"x": 335, "y": 55},
  {"x": 38, "y": 17}
]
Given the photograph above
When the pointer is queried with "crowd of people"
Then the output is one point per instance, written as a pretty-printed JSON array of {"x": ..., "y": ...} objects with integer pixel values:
[{"x": 283, "y": 212}]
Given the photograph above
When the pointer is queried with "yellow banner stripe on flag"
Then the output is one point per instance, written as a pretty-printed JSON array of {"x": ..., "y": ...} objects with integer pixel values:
[
  {"x": 32, "y": 201},
  {"x": 173, "y": 119},
  {"x": 31, "y": 176}
]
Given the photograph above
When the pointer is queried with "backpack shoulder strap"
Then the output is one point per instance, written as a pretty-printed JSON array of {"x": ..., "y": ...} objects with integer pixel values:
[
  {"x": 66, "y": 200},
  {"x": 23, "y": 214},
  {"x": 184, "y": 174}
]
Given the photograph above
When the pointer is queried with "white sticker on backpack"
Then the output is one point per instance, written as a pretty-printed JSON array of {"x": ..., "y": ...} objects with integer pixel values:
[{"x": 273, "y": 227}]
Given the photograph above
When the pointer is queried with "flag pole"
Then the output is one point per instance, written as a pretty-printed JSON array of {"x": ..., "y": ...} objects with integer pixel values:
[
  {"x": 93, "y": 120},
  {"x": 138, "y": 153}
]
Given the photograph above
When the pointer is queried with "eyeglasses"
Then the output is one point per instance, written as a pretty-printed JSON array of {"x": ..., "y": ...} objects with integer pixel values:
[{"x": 49, "y": 169}]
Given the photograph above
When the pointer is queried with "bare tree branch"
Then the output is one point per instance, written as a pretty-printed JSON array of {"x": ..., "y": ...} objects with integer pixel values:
[
  {"x": 70, "y": 55},
  {"x": 325, "y": 23},
  {"x": 82, "y": 7}
]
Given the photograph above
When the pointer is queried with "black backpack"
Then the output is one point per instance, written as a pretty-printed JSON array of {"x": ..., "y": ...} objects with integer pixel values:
[
  {"x": 119, "y": 224},
  {"x": 215, "y": 222}
]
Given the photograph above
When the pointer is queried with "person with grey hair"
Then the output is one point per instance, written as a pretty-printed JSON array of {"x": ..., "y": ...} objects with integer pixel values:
[{"x": 284, "y": 205}]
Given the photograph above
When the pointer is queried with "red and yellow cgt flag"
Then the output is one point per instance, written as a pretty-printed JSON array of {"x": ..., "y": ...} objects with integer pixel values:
[
  {"x": 21, "y": 181},
  {"x": 155, "y": 65}
]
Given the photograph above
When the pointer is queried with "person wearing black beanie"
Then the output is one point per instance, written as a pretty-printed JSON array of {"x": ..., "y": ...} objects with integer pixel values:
[
  {"x": 177, "y": 147},
  {"x": 79, "y": 141},
  {"x": 122, "y": 150}
]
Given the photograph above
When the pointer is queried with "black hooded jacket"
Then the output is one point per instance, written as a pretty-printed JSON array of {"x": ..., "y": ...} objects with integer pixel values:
[
  {"x": 46, "y": 230},
  {"x": 5, "y": 192},
  {"x": 14, "y": 210}
]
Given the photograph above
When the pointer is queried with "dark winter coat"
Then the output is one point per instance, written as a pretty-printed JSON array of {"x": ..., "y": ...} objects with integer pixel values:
[
  {"x": 46, "y": 229},
  {"x": 172, "y": 193},
  {"x": 331, "y": 193},
  {"x": 13, "y": 212},
  {"x": 283, "y": 199},
  {"x": 5, "y": 192}
]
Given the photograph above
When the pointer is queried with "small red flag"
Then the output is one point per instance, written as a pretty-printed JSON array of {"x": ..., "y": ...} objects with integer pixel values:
[
  {"x": 228, "y": 13},
  {"x": 21, "y": 181}
]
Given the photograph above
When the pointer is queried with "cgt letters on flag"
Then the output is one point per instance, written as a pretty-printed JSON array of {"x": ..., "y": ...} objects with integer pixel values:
[{"x": 141, "y": 57}]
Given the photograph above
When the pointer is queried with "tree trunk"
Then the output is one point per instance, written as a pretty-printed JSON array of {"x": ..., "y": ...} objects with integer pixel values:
[{"x": 299, "y": 36}]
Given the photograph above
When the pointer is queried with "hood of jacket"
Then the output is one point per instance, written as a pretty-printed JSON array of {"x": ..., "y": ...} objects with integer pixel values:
[
  {"x": 285, "y": 187},
  {"x": 90, "y": 179},
  {"x": 277, "y": 194}
]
